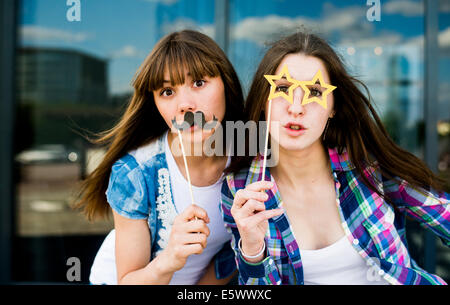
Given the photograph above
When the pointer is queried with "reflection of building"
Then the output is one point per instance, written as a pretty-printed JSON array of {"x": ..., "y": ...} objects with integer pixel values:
[
  {"x": 54, "y": 76},
  {"x": 399, "y": 82},
  {"x": 394, "y": 77}
]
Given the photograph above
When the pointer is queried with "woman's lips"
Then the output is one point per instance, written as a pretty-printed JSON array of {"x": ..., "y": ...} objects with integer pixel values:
[{"x": 294, "y": 129}]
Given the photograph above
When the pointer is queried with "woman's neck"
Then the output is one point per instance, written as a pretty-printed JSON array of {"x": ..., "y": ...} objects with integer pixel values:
[{"x": 301, "y": 168}]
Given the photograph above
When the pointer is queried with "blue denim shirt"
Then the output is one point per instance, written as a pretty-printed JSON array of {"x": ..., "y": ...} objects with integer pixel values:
[{"x": 139, "y": 188}]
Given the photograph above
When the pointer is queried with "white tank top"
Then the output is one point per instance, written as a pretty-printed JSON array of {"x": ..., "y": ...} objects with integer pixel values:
[{"x": 338, "y": 264}]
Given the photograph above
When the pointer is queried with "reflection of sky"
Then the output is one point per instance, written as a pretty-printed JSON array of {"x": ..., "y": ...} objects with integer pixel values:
[{"x": 125, "y": 31}]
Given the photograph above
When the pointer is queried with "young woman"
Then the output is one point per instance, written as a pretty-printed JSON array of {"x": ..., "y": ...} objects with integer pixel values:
[
  {"x": 159, "y": 236},
  {"x": 334, "y": 209}
]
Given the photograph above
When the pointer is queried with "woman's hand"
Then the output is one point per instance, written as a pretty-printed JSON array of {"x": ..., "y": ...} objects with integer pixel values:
[
  {"x": 188, "y": 236},
  {"x": 251, "y": 216}
]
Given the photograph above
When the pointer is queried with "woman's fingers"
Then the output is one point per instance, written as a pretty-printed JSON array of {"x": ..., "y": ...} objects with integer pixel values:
[
  {"x": 259, "y": 186},
  {"x": 194, "y": 238},
  {"x": 242, "y": 196},
  {"x": 252, "y": 191},
  {"x": 192, "y": 212},
  {"x": 262, "y": 216},
  {"x": 196, "y": 226},
  {"x": 193, "y": 249},
  {"x": 252, "y": 206}
]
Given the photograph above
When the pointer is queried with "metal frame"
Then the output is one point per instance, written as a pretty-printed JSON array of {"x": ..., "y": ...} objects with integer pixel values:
[
  {"x": 221, "y": 23},
  {"x": 431, "y": 58},
  {"x": 8, "y": 13}
]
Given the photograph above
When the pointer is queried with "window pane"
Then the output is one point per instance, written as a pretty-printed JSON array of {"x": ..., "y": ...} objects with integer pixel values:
[
  {"x": 443, "y": 253},
  {"x": 74, "y": 79}
]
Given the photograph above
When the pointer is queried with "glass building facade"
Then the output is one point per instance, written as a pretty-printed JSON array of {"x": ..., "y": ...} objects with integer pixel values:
[{"x": 67, "y": 73}]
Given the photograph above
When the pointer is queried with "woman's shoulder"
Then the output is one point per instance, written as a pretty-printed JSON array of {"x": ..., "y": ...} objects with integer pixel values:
[
  {"x": 143, "y": 157},
  {"x": 149, "y": 151}
]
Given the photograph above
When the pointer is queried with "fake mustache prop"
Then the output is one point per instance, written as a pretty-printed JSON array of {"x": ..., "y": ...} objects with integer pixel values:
[{"x": 198, "y": 118}]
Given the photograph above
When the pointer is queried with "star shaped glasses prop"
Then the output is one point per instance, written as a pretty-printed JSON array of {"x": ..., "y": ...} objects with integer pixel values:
[
  {"x": 307, "y": 86},
  {"x": 285, "y": 75}
]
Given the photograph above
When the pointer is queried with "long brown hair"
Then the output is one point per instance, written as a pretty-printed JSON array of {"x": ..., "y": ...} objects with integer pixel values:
[
  {"x": 141, "y": 123},
  {"x": 355, "y": 126}
]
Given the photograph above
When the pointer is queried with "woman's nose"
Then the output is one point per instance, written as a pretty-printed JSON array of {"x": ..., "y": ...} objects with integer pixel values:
[
  {"x": 186, "y": 102},
  {"x": 296, "y": 108}
]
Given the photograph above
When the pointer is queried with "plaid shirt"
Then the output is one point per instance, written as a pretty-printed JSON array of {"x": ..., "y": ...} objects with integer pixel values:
[{"x": 374, "y": 229}]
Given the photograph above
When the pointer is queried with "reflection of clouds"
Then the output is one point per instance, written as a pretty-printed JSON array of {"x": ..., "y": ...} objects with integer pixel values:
[
  {"x": 406, "y": 8},
  {"x": 409, "y": 8},
  {"x": 261, "y": 29},
  {"x": 186, "y": 23},
  {"x": 126, "y": 51},
  {"x": 443, "y": 41},
  {"x": 348, "y": 21},
  {"x": 345, "y": 18},
  {"x": 39, "y": 33}
]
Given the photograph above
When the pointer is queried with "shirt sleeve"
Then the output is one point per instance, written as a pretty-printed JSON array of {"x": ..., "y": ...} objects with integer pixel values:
[
  {"x": 262, "y": 273},
  {"x": 127, "y": 192},
  {"x": 224, "y": 262},
  {"x": 427, "y": 206}
]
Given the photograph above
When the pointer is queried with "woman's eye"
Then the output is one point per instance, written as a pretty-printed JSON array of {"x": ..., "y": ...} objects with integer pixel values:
[
  {"x": 166, "y": 92},
  {"x": 199, "y": 83},
  {"x": 315, "y": 92},
  {"x": 282, "y": 88}
]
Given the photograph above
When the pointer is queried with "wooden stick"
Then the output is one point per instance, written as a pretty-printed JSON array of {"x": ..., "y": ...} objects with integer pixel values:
[
  {"x": 186, "y": 167},
  {"x": 267, "y": 139}
]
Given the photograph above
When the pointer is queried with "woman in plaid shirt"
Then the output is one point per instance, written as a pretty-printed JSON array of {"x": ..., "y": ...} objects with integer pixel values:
[{"x": 332, "y": 210}]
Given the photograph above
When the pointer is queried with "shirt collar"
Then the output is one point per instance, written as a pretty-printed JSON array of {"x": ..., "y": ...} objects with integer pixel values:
[{"x": 338, "y": 162}]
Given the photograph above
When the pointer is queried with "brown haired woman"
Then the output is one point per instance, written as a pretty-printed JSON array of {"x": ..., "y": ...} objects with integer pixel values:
[
  {"x": 335, "y": 207},
  {"x": 157, "y": 229}
]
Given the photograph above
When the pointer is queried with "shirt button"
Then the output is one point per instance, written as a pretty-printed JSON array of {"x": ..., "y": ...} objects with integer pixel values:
[
  {"x": 270, "y": 261},
  {"x": 381, "y": 272},
  {"x": 355, "y": 241}
]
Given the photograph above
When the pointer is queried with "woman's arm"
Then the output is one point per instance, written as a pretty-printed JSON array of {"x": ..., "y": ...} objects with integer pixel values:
[
  {"x": 261, "y": 271},
  {"x": 429, "y": 207},
  {"x": 133, "y": 254},
  {"x": 133, "y": 251}
]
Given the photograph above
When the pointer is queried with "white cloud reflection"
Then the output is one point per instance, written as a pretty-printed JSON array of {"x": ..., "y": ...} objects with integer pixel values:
[{"x": 34, "y": 33}]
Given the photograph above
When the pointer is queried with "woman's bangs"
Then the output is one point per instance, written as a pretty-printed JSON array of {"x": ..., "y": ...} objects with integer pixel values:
[{"x": 179, "y": 59}]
